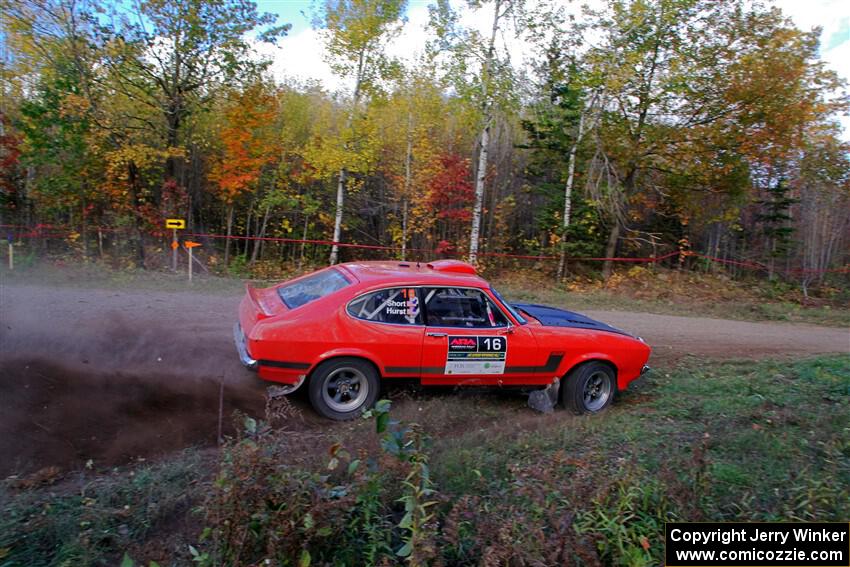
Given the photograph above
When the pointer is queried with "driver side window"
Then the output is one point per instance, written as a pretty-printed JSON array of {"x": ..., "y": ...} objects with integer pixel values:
[
  {"x": 399, "y": 306},
  {"x": 459, "y": 307}
]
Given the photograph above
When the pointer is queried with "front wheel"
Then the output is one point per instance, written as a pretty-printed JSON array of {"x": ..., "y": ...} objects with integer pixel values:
[
  {"x": 343, "y": 388},
  {"x": 590, "y": 388}
]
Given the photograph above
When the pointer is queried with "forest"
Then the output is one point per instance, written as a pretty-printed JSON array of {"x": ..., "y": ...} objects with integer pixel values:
[{"x": 637, "y": 129}]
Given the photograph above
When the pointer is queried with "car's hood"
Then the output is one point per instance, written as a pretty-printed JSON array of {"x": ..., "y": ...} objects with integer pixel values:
[{"x": 554, "y": 317}]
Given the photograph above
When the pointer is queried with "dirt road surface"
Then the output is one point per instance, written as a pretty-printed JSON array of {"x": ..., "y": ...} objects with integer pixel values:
[{"x": 117, "y": 375}]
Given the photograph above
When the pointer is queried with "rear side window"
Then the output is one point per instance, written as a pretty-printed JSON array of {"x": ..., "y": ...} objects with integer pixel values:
[
  {"x": 311, "y": 288},
  {"x": 460, "y": 307},
  {"x": 398, "y": 305}
]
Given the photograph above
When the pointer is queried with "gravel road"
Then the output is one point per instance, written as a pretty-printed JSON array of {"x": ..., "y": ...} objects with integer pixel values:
[{"x": 118, "y": 374}]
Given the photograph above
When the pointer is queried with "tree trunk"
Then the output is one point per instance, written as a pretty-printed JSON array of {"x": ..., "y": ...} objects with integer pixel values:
[
  {"x": 340, "y": 188},
  {"x": 611, "y": 249},
  {"x": 262, "y": 233},
  {"x": 133, "y": 172},
  {"x": 407, "y": 179},
  {"x": 568, "y": 197},
  {"x": 303, "y": 244},
  {"x": 479, "y": 196},
  {"x": 229, "y": 233},
  {"x": 84, "y": 232},
  {"x": 481, "y": 174},
  {"x": 404, "y": 215},
  {"x": 248, "y": 217},
  {"x": 340, "y": 200}
]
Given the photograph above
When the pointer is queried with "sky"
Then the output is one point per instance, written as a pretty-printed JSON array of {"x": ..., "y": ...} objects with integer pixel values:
[{"x": 300, "y": 54}]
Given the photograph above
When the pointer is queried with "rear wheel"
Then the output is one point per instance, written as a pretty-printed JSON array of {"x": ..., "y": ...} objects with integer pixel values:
[
  {"x": 590, "y": 388},
  {"x": 343, "y": 388}
]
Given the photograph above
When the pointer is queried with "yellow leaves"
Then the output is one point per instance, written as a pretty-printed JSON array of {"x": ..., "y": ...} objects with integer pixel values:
[
  {"x": 325, "y": 217},
  {"x": 325, "y": 156},
  {"x": 395, "y": 232},
  {"x": 74, "y": 106},
  {"x": 139, "y": 156},
  {"x": 353, "y": 149}
]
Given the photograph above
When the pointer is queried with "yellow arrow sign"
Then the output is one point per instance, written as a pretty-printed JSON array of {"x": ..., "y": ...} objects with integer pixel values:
[{"x": 175, "y": 223}]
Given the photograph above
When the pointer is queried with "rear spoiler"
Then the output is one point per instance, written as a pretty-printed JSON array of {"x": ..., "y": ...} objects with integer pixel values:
[{"x": 256, "y": 298}]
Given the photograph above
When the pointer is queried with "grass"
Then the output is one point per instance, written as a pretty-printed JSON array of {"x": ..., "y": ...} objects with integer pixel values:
[
  {"x": 684, "y": 293},
  {"x": 495, "y": 484},
  {"x": 93, "y": 518}
]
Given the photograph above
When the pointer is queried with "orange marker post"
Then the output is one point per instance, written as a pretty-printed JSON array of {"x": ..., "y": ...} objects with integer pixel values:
[{"x": 189, "y": 245}]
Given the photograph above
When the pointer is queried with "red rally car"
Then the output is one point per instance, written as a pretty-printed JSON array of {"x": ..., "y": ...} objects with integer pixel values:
[{"x": 345, "y": 328}]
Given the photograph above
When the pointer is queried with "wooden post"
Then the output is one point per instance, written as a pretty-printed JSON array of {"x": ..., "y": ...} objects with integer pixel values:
[
  {"x": 174, "y": 249},
  {"x": 189, "y": 245}
]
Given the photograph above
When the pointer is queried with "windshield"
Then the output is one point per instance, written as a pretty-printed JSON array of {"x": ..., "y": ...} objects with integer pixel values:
[
  {"x": 312, "y": 287},
  {"x": 520, "y": 319}
]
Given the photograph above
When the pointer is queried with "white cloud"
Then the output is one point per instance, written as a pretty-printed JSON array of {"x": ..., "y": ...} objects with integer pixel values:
[
  {"x": 833, "y": 17},
  {"x": 300, "y": 55}
]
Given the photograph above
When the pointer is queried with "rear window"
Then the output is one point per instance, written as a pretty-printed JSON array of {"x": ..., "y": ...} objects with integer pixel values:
[{"x": 311, "y": 288}]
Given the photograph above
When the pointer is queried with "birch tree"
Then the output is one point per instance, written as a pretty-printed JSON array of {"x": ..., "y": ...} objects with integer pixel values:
[
  {"x": 482, "y": 73},
  {"x": 356, "y": 33}
]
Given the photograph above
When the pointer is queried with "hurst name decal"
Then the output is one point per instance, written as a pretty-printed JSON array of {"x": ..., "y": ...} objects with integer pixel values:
[{"x": 476, "y": 355}]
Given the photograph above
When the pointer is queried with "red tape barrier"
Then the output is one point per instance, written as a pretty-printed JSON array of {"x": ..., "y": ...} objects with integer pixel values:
[{"x": 51, "y": 231}]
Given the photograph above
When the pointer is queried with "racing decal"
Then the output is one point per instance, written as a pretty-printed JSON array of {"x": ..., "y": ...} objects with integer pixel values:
[
  {"x": 407, "y": 306},
  {"x": 476, "y": 355}
]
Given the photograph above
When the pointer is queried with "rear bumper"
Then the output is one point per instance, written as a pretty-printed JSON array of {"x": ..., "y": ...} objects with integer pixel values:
[{"x": 239, "y": 339}]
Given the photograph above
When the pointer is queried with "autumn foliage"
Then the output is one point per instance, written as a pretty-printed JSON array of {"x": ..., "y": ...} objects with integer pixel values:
[
  {"x": 450, "y": 192},
  {"x": 685, "y": 125},
  {"x": 245, "y": 150}
]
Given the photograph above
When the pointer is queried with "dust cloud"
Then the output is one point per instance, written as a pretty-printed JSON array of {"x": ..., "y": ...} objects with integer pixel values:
[{"x": 114, "y": 377}]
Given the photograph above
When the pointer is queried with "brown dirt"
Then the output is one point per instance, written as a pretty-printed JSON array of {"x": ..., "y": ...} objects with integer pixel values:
[{"x": 115, "y": 376}]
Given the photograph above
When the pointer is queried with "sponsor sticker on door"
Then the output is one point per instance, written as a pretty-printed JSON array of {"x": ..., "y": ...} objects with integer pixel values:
[{"x": 476, "y": 355}]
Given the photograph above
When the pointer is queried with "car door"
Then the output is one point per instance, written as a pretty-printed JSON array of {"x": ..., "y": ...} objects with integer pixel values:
[
  {"x": 469, "y": 340},
  {"x": 388, "y": 324}
]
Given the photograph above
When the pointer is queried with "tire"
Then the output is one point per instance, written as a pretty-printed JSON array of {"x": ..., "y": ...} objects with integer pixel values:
[
  {"x": 343, "y": 388},
  {"x": 590, "y": 388}
]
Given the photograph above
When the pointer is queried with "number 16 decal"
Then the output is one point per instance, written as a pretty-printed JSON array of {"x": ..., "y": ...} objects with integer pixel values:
[{"x": 492, "y": 344}]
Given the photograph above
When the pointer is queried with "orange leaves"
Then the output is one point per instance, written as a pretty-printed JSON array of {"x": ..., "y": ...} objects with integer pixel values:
[{"x": 248, "y": 142}]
